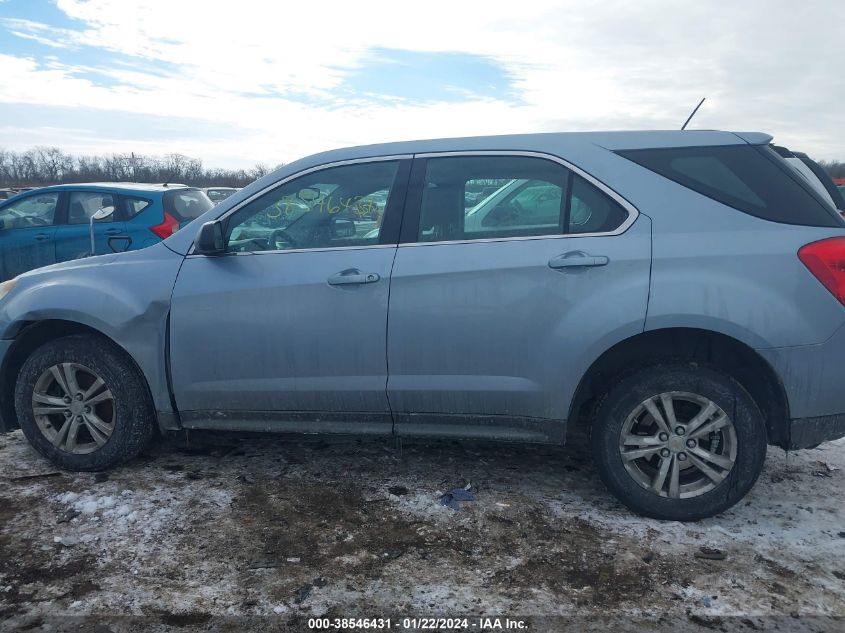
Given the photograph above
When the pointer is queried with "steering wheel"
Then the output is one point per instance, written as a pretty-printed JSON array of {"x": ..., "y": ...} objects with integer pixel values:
[
  {"x": 280, "y": 236},
  {"x": 22, "y": 220},
  {"x": 504, "y": 214}
]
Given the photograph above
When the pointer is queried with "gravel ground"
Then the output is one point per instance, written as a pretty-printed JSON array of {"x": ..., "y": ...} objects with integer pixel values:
[{"x": 239, "y": 532}]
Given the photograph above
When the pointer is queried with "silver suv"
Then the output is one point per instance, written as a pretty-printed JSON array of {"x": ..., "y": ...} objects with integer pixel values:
[{"x": 679, "y": 294}]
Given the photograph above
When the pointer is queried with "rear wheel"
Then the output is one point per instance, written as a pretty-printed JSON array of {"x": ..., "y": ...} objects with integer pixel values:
[
  {"x": 83, "y": 404},
  {"x": 679, "y": 442}
]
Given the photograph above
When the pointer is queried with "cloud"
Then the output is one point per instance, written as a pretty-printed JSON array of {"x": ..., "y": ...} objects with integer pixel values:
[{"x": 293, "y": 78}]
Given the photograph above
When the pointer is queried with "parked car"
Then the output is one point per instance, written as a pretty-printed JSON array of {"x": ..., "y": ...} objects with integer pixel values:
[
  {"x": 216, "y": 194},
  {"x": 5, "y": 193},
  {"x": 51, "y": 224},
  {"x": 689, "y": 315}
]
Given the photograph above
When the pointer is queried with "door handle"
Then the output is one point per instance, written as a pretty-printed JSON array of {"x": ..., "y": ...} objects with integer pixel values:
[
  {"x": 113, "y": 232},
  {"x": 40, "y": 237},
  {"x": 577, "y": 259},
  {"x": 352, "y": 276}
]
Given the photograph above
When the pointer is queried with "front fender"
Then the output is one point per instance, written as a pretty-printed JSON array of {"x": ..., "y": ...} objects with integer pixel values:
[{"x": 125, "y": 297}]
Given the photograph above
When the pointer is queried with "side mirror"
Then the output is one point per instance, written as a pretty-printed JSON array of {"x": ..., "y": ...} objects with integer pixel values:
[
  {"x": 308, "y": 194},
  {"x": 210, "y": 239},
  {"x": 102, "y": 214},
  {"x": 99, "y": 214},
  {"x": 342, "y": 228}
]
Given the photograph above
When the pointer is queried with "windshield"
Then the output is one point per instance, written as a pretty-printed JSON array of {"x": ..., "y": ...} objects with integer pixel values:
[
  {"x": 216, "y": 195},
  {"x": 186, "y": 204}
]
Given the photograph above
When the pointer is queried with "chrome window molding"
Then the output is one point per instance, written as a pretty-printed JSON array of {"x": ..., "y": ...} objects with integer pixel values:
[
  {"x": 633, "y": 212},
  {"x": 294, "y": 176},
  {"x": 322, "y": 249}
]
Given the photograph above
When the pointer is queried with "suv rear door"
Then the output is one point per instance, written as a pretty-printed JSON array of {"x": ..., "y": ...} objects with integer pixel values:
[{"x": 496, "y": 317}]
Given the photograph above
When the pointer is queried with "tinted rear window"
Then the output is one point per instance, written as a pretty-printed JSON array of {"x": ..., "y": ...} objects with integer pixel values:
[
  {"x": 749, "y": 178},
  {"x": 186, "y": 204}
]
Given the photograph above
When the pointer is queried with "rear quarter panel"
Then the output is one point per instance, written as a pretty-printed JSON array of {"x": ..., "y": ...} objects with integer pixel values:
[{"x": 720, "y": 269}]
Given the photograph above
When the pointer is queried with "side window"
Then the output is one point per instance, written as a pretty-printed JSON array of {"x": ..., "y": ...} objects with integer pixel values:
[
  {"x": 477, "y": 197},
  {"x": 32, "y": 211},
  {"x": 592, "y": 210},
  {"x": 339, "y": 206},
  {"x": 84, "y": 204},
  {"x": 133, "y": 206},
  {"x": 472, "y": 197},
  {"x": 751, "y": 179}
]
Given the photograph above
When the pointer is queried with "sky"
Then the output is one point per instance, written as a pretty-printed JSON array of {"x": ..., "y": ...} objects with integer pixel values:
[{"x": 242, "y": 82}]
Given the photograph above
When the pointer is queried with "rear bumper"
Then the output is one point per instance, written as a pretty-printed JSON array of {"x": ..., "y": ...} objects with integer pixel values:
[
  {"x": 812, "y": 377},
  {"x": 809, "y": 432}
]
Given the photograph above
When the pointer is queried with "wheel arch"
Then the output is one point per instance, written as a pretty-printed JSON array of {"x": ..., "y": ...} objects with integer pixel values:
[
  {"x": 693, "y": 345},
  {"x": 29, "y": 336}
]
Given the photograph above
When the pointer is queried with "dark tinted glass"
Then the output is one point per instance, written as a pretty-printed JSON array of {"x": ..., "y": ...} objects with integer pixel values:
[
  {"x": 186, "y": 204},
  {"x": 591, "y": 210},
  {"x": 133, "y": 206},
  {"x": 752, "y": 179}
]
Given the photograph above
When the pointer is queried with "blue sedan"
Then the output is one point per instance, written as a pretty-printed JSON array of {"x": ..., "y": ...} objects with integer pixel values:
[{"x": 52, "y": 224}]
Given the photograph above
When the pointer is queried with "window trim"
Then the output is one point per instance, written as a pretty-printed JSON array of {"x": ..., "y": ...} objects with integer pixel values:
[
  {"x": 400, "y": 185},
  {"x": 411, "y": 216}
]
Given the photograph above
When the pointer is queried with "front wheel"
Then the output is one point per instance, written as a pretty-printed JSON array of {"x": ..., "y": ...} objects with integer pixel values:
[
  {"x": 679, "y": 442},
  {"x": 82, "y": 403}
]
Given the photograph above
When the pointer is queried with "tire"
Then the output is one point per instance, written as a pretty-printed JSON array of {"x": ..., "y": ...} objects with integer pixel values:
[
  {"x": 690, "y": 389},
  {"x": 114, "y": 423}
]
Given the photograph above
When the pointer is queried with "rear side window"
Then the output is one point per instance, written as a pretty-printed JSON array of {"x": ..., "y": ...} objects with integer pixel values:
[
  {"x": 186, "y": 204},
  {"x": 591, "y": 210},
  {"x": 483, "y": 197},
  {"x": 133, "y": 206},
  {"x": 752, "y": 179}
]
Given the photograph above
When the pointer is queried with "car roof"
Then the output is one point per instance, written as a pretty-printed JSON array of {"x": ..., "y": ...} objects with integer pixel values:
[
  {"x": 621, "y": 140},
  {"x": 120, "y": 186}
]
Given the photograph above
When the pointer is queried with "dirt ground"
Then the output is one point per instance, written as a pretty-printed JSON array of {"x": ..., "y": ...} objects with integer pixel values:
[{"x": 227, "y": 532}]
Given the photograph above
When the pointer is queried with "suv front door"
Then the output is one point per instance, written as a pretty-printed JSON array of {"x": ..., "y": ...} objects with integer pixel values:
[
  {"x": 496, "y": 310},
  {"x": 287, "y": 330}
]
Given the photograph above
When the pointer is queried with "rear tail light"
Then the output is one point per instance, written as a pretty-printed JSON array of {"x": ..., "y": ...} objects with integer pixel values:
[
  {"x": 166, "y": 228},
  {"x": 826, "y": 260}
]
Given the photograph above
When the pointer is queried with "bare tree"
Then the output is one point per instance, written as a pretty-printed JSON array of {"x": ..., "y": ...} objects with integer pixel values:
[{"x": 50, "y": 165}]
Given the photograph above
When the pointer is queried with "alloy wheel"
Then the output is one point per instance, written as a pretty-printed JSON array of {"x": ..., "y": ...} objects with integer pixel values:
[
  {"x": 678, "y": 444},
  {"x": 73, "y": 408}
]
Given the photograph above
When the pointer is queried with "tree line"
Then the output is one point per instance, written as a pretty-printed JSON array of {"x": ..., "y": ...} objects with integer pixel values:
[
  {"x": 834, "y": 168},
  {"x": 42, "y": 166}
]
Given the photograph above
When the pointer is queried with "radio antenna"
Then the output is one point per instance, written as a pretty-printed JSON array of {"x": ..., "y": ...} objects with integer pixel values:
[{"x": 684, "y": 126}]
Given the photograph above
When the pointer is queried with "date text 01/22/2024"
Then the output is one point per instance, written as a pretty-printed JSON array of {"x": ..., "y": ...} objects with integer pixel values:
[{"x": 418, "y": 624}]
